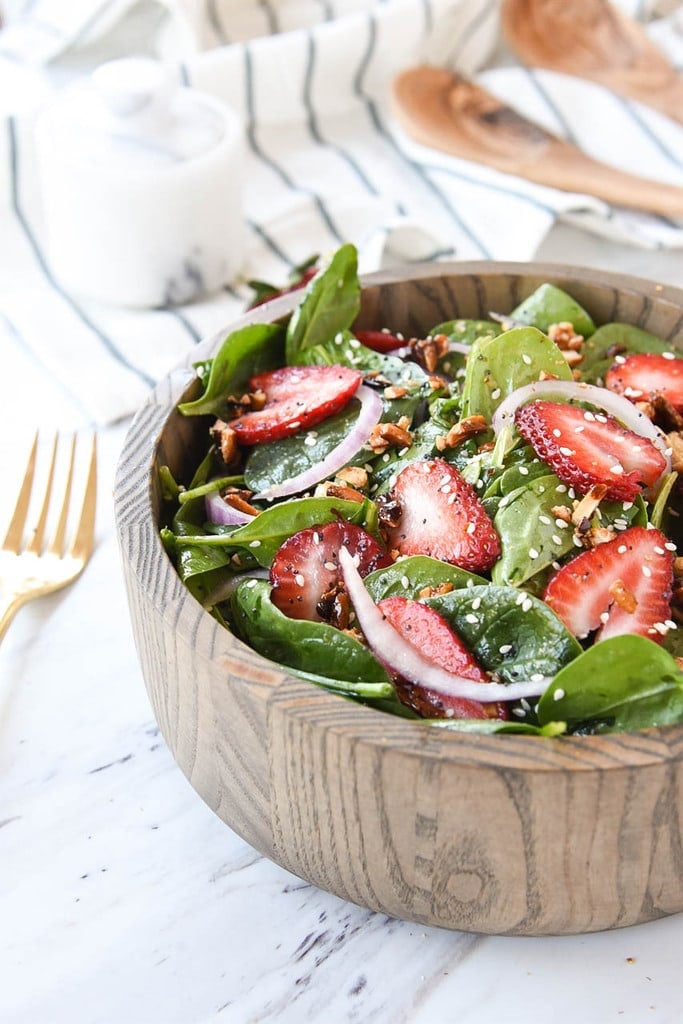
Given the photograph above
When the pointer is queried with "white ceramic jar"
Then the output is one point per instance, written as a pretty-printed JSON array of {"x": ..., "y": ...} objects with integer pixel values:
[{"x": 142, "y": 187}]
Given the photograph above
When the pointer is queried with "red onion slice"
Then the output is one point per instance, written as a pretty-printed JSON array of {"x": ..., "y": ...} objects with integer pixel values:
[
  {"x": 574, "y": 391},
  {"x": 368, "y": 417},
  {"x": 223, "y": 514},
  {"x": 400, "y": 655}
]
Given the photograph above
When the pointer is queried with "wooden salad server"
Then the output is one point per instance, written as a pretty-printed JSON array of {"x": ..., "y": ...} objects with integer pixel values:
[
  {"x": 445, "y": 111},
  {"x": 595, "y": 40}
]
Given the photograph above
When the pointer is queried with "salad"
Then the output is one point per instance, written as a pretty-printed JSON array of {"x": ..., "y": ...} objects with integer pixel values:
[{"x": 476, "y": 528}]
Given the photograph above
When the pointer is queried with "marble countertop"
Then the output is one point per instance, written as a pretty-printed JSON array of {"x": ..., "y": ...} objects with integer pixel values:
[{"x": 124, "y": 900}]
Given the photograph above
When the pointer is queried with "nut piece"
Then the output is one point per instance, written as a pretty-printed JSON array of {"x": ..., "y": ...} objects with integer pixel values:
[
  {"x": 226, "y": 439},
  {"x": 460, "y": 432},
  {"x": 623, "y": 597},
  {"x": 386, "y": 435},
  {"x": 354, "y": 476},
  {"x": 428, "y": 351}
]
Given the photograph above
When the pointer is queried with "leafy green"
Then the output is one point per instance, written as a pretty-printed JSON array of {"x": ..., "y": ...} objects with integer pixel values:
[
  {"x": 498, "y": 366},
  {"x": 489, "y": 726},
  {"x": 330, "y": 303},
  {"x": 260, "y": 538},
  {"x": 312, "y": 647},
  {"x": 551, "y": 305},
  {"x": 410, "y": 576},
  {"x": 245, "y": 352},
  {"x": 508, "y": 631},
  {"x": 623, "y": 683}
]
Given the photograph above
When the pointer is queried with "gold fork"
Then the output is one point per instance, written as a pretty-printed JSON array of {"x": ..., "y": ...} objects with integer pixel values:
[{"x": 28, "y": 568}]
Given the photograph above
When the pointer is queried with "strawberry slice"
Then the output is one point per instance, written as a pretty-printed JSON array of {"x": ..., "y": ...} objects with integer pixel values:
[
  {"x": 380, "y": 341},
  {"x": 622, "y": 586},
  {"x": 585, "y": 448},
  {"x": 432, "y": 635},
  {"x": 297, "y": 398},
  {"x": 433, "y": 511},
  {"x": 648, "y": 375},
  {"x": 305, "y": 574}
]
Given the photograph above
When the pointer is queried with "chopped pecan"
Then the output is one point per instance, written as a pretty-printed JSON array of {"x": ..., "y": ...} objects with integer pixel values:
[
  {"x": 328, "y": 489},
  {"x": 239, "y": 499},
  {"x": 386, "y": 435},
  {"x": 440, "y": 588},
  {"x": 585, "y": 508},
  {"x": 427, "y": 351},
  {"x": 460, "y": 432},
  {"x": 226, "y": 439},
  {"x": 623, "y": 597},
  {"x": 354, "y": 476},
  {"x": 395, "y": 391},
  {"x": 565, "y": 337}
]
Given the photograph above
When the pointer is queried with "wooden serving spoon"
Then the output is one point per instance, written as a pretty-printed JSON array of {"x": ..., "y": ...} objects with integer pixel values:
[
  {"x": 593, "y": 39},
  {"x": 441, "y": 109}
]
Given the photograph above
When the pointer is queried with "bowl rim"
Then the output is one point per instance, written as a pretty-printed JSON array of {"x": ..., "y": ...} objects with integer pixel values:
[{"x": 653, "y": 746}]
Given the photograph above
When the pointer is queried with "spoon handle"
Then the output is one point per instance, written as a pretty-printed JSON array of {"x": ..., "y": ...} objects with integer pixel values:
[{"x": 445, "y": 111}]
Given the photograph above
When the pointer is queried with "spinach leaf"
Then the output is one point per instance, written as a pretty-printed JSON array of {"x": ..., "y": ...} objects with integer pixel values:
[
  {"x": 411, "y": 575},
  {"x": 622, "y": 683},
  {"x": 330, "y": 303},
  {"x": 260, "y": 538},
  {"x": 497, "y": 366},
  {"x": 532, "y": 537},
  {"x": 551, "y": 305},
  {"x": 462, "y": 332},
  {"x": 245, "y": 352},
  {"x": 508, "y": 631},
  {"x": 313, "y": 647}
]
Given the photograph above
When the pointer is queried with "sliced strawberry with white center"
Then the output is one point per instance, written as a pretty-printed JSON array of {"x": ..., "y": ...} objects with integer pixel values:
[
  {"x": 423, "y": 627},
  {"x": 305, "y": 573},
  {"x": 297, "y": 398},
  {"x": 622, "y": 586},
  {"x": 586, "y": 448},
  {"x": 648, "y": 375},
  {"x": 439, "y": 514}
]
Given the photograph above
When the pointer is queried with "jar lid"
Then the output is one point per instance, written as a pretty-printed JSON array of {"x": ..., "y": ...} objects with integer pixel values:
[{"x": 133, "y": 113}]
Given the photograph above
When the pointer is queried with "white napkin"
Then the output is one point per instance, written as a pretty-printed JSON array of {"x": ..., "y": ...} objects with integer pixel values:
[{"x": 326, "y": 162}]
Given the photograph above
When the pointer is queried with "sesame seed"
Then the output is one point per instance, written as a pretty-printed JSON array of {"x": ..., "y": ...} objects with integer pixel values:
[
  {"x": 255, "y": 544},
  {"x": 295, "y": 425},
  {"x": 385, "y": 458},
  {"x": 521, "y": 598},
  {"x": 471, "y": 618},
  {"x": 670, "y": 623},
  {"x": 533, "y": 553},
  {"x": 668, "y": 355},
  {"x": 452, "y": 498},
  {"x": 519, "y": 712},
  {"x": 505, "y": 648},
  {"x": 577, "y": 541},
  {"x": 604, "y": 617},
  {"x": 310, "y": 440},
  {"x": 561, "y": 488},
  {"x": 555, "y": 539},
  {"x": 661, "y": 628},
  {"x": 527, "y": 604},
  {"x": 495, "y": 394},
  {"x": 589, "y": 416},
  {"x": 558, "y": 693},
  {"x": 557, "y": 433},
  {"x": 299, "y": 580},
  {"x": 545, "y": 520},
  {"x": 526, "y": 359},
  {"x": 316, "y": 537},
  {"x": 566, "y": 451},
  {"x": 660, "y": 551},
  {"x": 476, "y": 604},
  {"x": 523, "y": 471},
  {"x": 561, "y": 525},
  {"x": 536, "y": 677},
  {"x": 670, "y": 547},
  {"x": 579, "y": 429},
  {"x": 330, "y": 566},
  {"x": 405, "y": 582},
  {"x": 622, "y": 549},
  {"x": 627, "y": 505},
  {"x": 470, "y": 528},
  {"x": 251, "y": 583},
  {"x": 647, "y": 571}
]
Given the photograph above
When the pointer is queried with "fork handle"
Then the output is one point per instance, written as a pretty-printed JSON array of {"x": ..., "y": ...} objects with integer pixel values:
[{"x": 9, "y": 606}]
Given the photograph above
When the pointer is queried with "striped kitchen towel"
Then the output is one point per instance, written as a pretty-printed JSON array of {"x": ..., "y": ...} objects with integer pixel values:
[{"x": 325, "y": 161}]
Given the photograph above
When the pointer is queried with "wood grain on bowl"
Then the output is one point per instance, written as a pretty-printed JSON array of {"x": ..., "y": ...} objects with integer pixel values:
[{"x": 498, "y": 834}]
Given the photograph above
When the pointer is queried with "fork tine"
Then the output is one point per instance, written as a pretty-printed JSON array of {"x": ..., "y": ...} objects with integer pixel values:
[
  {"x": 85, "y": 532},
  {"x": 57, "y": 545},
  {"x": 36, "y": 541},
  {"x": 12, "y": 541}
]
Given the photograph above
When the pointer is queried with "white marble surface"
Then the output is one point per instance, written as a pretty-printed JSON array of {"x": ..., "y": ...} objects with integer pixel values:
[{"x": 124, "y": 900}]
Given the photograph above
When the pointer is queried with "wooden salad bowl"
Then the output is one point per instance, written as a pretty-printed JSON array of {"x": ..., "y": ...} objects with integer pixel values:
[{"x": 502, "y": 834}]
